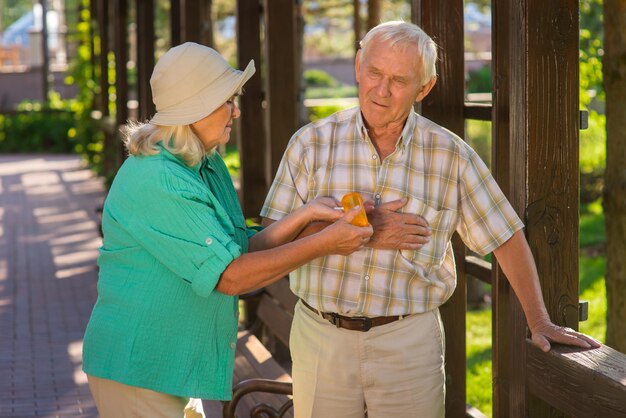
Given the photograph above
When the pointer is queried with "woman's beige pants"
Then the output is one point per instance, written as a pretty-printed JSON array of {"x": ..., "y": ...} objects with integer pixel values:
[{"x": 117, "y": 400}]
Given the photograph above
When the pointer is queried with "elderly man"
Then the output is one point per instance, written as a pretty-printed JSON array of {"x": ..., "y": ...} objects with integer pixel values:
[{"x": 367, "y": 331}]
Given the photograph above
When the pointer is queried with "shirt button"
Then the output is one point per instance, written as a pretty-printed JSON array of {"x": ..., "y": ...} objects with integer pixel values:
[
  {"x": 367, "y": 277},
  {"x": 208, "y": 241},
  {"x": 233, "y": 345},
  {"x": 374, "y": 156},
  {"x": 377, "y": 196}
]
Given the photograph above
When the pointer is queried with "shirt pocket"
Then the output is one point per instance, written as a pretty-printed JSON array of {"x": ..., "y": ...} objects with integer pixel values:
[{"x": 432, "y": 254}]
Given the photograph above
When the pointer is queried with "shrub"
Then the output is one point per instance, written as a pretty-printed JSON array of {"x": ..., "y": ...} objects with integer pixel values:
[{"x": 319, "y": 78}]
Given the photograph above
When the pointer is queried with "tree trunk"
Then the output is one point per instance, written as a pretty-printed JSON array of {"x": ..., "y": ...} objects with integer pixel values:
[
  {"x": 614, "y": 69},
  {"x": 373, "y": 13}
]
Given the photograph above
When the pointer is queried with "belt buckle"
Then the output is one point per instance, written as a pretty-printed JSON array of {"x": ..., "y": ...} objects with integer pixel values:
[{"x": 366, "y": 322}]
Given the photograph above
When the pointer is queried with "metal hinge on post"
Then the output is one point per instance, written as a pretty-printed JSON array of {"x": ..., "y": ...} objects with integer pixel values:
[
  {"x": 583, "y": 310},
  {"x": 584, "y": 119}
]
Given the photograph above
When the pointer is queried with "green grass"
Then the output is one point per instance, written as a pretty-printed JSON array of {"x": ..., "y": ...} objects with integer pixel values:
[
  {"x": 592, "y": 289},
  {"x": 478, "y": 373}
]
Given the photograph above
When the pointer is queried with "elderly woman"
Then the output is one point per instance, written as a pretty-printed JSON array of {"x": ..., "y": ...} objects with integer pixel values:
[{"x": 177, "y": 251}]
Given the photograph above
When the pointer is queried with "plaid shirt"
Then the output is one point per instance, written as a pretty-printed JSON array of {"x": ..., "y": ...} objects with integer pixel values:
[{"x": 446, "y": 183}]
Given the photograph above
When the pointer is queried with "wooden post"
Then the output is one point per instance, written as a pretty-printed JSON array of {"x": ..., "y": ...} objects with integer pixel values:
[
  {"x": 120, "y": 23},
  {"x": 536, "y": 93},
  {"x": 175, "y": 31},
  {"x": 356, "y": 16},
  {"x": 282, "y": 80},
  {"x": 252, "y": 139},
  {"x": 443, "y": 21},
  {"x": 145, "y": 58},
  {"x": 191, "y": 20},
  {"x": 45, "y": 63},
  {"x": 103, "y": 31}
]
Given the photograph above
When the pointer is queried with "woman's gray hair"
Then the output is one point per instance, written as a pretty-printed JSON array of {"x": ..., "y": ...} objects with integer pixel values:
[
  {"x": 400, "y": 33},
  {"x": 143, "y": 138}
]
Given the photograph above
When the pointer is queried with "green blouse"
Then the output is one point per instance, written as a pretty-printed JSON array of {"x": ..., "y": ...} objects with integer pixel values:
[{"x": 169, "y": 232}]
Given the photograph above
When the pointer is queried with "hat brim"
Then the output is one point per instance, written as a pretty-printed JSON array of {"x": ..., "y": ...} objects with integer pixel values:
[{"x": 207, "y": 100}]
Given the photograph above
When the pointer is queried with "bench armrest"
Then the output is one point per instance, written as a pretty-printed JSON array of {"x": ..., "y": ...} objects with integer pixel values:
[{"x": 259, "y": 385}]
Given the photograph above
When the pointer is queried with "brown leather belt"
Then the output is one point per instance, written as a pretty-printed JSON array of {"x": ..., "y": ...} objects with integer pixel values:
[{"x": 354, "y": 323}]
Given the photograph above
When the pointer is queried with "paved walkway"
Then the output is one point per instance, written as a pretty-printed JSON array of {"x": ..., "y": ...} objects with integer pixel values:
[
  {"x": 48, "y": 248},
  {"x": 49, "y": 244}
]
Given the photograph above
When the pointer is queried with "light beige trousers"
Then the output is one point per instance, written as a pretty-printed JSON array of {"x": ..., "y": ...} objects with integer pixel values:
[
  {"x": 394, "y": 370},
  {"x": 117, "y": 400}
]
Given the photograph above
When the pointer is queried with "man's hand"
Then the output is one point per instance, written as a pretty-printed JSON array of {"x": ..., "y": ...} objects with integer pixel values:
[
  {"x": 394, "y": 230},
  {"x": 547, "y": 332}
]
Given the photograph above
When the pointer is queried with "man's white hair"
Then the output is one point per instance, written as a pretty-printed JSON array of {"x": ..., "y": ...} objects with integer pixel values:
[{"x": 399, "y": 33}]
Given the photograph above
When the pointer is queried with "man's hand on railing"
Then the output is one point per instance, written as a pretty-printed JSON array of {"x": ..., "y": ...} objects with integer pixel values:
[{"x": 546, "y": 332}]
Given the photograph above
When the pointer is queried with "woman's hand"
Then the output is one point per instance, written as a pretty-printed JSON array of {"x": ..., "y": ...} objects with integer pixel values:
[
  {"x": 547, "y": 332},
  {"x": 325, "y": 209},
  {"x": 344, "y": 238}
]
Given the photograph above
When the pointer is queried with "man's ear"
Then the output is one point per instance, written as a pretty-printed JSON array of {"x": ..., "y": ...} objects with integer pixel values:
[
  {"x": 426, "y": 88},
  {"x": 357, "y": 65}
]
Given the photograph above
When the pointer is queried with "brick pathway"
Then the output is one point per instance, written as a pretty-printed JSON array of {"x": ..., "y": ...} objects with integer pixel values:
[{"x": 48, "y": 249}]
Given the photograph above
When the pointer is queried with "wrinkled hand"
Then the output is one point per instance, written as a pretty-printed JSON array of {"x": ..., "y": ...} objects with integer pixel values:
[
  {"x": 345, "y": 238},
  {"x": 546, "y": 332},
  {"x": 396, "y": 230},
  {"x": 323, "y": 209}
]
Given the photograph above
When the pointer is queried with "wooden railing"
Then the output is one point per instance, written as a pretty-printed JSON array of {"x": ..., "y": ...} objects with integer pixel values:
[{"x": 580, "y": 383}]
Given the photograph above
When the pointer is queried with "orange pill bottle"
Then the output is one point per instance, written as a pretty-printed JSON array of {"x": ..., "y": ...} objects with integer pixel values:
[{"x": 351, "y": 200}]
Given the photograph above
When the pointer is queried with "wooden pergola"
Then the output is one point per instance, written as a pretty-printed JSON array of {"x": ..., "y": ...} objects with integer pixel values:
[{"x": 536, "y": 120}]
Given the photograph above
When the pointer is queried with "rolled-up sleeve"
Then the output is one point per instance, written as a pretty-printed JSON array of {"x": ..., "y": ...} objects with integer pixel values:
[{"x": 177, "y": 222}]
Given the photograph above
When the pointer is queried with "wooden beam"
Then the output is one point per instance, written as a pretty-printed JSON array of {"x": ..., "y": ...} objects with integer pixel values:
[
  {"x": 252, "y": 139},
  {"x": 282, "y": 83},
  {"x": 478, "y": 111},
  {"x": 443, "y": 21},
  {"x": 581, "y": 383},
  {"x": 478, "y": 268}
]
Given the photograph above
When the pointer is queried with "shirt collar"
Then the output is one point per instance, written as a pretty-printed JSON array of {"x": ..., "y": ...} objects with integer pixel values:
[{"x": 407, "y": 132}]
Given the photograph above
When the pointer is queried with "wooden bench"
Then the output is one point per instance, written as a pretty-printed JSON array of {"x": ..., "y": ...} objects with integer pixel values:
[{"x": 262, "y": 382}]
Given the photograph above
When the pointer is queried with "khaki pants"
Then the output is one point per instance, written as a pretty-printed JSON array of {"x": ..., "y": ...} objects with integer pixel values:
[
  {"x": 394, "y": 370},
  {"x": 117, "y": 400}
]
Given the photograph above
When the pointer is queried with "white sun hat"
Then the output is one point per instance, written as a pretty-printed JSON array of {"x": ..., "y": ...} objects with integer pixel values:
[{"x": 190, "y": 81}]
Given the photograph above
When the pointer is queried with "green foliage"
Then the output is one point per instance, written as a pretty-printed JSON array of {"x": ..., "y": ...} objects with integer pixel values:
[
  {"x": 320, "y": 112},
  {"x": 87, "y": 135},
  {"x": 478, "y": 136},
  {"x": 232, "y": 161},
  {"x": 11, "y": 10},
  {"x": 591, "y": 52},
  {"x": 479, "y": 81},
  {"x": 593, "y": 276},
  {"x": 319, "y": 78},
  {"x": 591, "y": 225},
  {"x": 44, "y": 130},
  {"x": 593, "y": 144}
]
